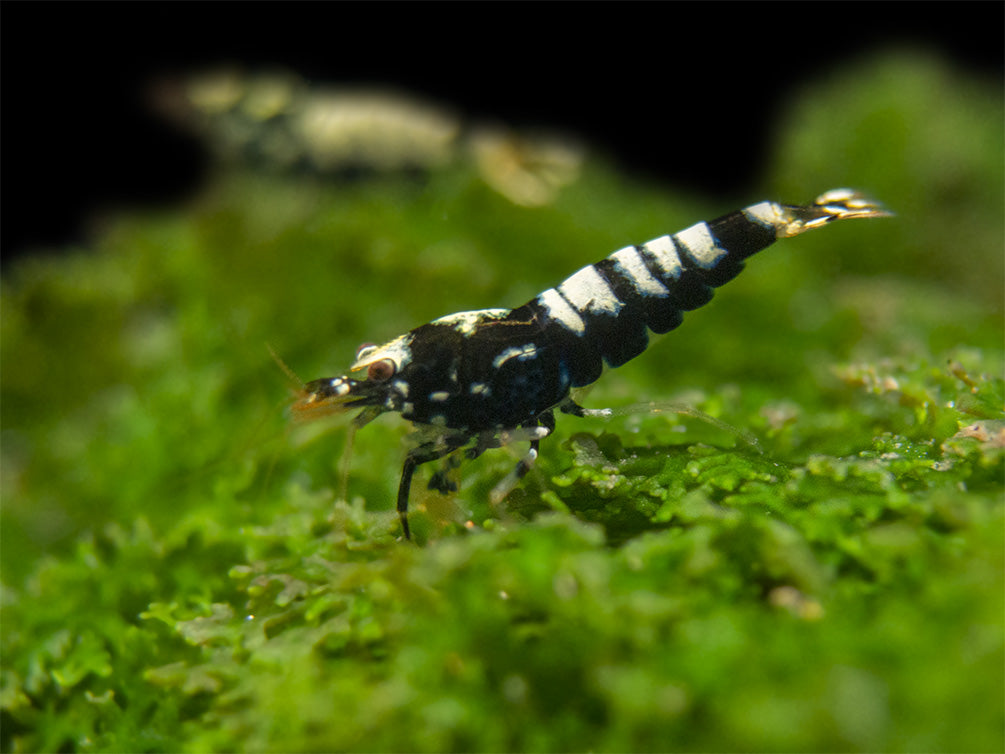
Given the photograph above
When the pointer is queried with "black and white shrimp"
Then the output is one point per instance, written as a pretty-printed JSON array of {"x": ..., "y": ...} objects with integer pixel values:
[{"x": 483, "y": 379}]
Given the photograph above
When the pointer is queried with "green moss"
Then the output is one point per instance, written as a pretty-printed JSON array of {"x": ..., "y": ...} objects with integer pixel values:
[{"x": 819, "y": 568}]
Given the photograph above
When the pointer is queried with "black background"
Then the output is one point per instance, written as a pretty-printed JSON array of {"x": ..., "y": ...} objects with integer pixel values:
[{"x": 654, "y": 85}]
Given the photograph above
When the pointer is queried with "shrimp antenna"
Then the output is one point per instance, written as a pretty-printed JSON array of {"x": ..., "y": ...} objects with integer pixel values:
[
  {"x": 290, "y": 374},
  {"x": 345, "y": 463}
]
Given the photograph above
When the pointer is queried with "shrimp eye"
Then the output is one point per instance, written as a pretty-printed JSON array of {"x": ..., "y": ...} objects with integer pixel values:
[
  {"x": 363, "y": 349},
  {"x": 380, "y": 371}
]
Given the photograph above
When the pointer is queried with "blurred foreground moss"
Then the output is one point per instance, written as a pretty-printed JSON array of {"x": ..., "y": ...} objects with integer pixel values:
[{"x": 179, "y": 575}]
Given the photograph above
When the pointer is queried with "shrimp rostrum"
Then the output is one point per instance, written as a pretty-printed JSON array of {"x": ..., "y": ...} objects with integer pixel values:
[{"x": 482, "y": 379}]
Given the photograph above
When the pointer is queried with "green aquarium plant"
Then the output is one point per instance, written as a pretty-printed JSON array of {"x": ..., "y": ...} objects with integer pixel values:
[{"x": 801, "y": 550}]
